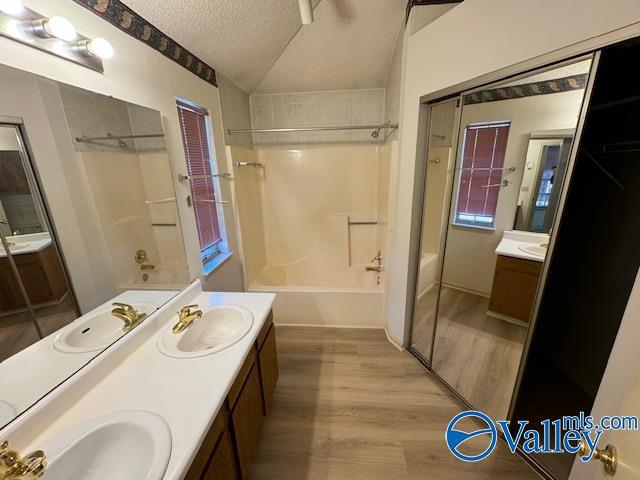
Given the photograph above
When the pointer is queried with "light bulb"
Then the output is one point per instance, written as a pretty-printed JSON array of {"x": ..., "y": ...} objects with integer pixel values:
[
  {"x": 60, "y": 27},
  {"x": 100, "y": 48},
  {"x": 11, "y": 7}
]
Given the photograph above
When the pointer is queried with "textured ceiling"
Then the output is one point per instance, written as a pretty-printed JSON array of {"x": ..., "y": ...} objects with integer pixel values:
[
  {"x": 254, "y": 42},
  {"x": 239, "y": 38},
  {"x": 349, "y": 46}
]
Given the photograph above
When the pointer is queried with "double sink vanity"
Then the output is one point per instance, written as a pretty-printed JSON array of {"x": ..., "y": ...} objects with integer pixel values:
[{"x": 179, "y": 396}]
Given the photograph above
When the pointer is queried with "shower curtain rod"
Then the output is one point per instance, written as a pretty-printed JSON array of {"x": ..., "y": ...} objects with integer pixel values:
[
  {"x": 118, "y": 137},
  {"x": 392, "y": 126}
]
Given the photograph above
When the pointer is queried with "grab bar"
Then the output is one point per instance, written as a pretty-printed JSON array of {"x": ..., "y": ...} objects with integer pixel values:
[
  {"x": 182, "y": 178},
  {"x": 249, "y": 164},
  {"x": 504, "y": 183},
  {"x": 204, "y": 200},
  {"x": 363, "y": 223},
  {"x": 162, "y": 200}
]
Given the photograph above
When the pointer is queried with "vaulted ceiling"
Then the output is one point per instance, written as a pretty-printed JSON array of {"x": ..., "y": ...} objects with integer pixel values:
[{"x": 261, "y": 45}]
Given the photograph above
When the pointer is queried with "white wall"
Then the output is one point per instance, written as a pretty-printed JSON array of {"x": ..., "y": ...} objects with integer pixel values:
[
  {"x": 471, "y": 40},
  {"x": 236, "y": 113},
  {"x": 140, "y": 75},
  {"x": 392, "y": 88}
]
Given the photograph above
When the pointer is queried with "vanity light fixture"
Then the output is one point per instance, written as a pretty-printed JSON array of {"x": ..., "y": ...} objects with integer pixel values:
[
  {"x": 54, "y": 27},
  {"x": 98, "y": 47},
  {"x": 11, "y": 7},
  {"x": 55, "y": 35}
]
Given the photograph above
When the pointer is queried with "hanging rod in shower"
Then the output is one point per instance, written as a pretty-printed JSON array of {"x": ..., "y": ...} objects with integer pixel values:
[{"x": 377, "y": 128}]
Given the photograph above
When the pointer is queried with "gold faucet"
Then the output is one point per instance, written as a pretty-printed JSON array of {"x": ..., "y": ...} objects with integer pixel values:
[
  {"x": 187, "y": 317},
  {"x": 129, "y": 315},
  {"x": 13, "y": 467}
]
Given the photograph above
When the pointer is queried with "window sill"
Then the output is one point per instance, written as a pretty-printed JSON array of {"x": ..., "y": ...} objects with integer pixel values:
[
  {"x": 465, "y": 226},
  {"x": 212, "y": 264}
]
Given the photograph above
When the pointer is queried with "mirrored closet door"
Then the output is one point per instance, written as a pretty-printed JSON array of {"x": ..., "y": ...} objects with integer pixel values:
[
  {"x": 506, "y": 171},
  {"x": 437, "y": 186},
  {"x": 35, "y": 297}
]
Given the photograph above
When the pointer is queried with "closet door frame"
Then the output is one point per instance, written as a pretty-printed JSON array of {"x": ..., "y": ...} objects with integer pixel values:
[{"x": 418, "y": 219}]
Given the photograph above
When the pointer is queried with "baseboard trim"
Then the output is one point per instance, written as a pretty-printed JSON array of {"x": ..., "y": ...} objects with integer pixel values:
[
  {"x": 323, "y": 325},
  {"x": 392, "y": 340}
]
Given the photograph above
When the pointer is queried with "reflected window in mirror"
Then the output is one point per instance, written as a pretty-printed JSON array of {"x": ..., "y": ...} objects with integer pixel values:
[{"x": 484, "y": 151}]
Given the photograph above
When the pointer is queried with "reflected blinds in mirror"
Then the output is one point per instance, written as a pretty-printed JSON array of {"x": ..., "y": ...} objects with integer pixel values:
[
  {"x": 481, "y": 173},
  {"x": 193, "y": 123}
]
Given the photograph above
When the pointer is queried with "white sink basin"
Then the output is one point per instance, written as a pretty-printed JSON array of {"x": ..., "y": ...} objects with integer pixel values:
[
  {"x": 217, "y": 329},
  {"x": 16, "y": 247},
  {"x": 535, "y": 250},
  {"x": 125, "y": 445},
  {"x": 95, "y": 331}
]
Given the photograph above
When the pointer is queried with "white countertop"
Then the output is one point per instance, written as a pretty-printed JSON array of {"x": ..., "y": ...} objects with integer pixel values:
[
  {"x": 512, "y": 240},
  {"x": 24, "y": 380},
  {"x": 36, "y": 242},
  {"x": 186, "y": 393}
]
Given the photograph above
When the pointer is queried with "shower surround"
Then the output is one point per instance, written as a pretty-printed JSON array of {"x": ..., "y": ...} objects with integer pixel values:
[{"x": 311, "y": 219}]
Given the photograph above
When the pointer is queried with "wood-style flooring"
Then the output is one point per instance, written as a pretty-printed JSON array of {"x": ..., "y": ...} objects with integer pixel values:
[
  {"x": 17, "y": 331},
  {"x": 350, "y": 406},
  {"x": 476, "y": 354}
]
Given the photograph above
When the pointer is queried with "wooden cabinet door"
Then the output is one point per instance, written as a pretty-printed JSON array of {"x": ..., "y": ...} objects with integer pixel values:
[
  {"x": 217, "y": 430},
  {"x": 246, "y": 421},
  {"x": 269, "y": 368},
  {"x": 223, "y": 464},
  {"x": 514, "y": 287},
  {"x": 10, "y": 295}
]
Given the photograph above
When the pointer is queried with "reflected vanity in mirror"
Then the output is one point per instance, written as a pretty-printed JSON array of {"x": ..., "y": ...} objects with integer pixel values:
[
  {"x": 489, "y": 205},
  {"x": 90, "y": 239}
]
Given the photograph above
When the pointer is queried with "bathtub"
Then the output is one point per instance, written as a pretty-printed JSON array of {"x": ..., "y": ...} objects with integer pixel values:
[
  {"x": 163, "y": 277},
  {"x": 428, "y": 273},
  {"x": 336, "y": 297}
]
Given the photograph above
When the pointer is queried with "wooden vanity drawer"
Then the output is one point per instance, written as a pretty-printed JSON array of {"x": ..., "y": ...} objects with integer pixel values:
[
  {"x": 203, "y": 456},
  {"x": 240, "y": 379}
]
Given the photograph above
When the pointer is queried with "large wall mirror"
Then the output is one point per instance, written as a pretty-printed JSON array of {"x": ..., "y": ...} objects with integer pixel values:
[
  {"x": 88, "y": 218},
  {"x": 496, "y": 161}
]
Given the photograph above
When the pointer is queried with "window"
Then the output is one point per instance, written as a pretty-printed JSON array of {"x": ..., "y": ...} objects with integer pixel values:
[
  {"x": 193, "y": 123},
  {"x": 481, "y": 174}
]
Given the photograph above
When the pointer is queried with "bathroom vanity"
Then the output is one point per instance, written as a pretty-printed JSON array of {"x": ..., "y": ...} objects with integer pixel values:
[
  {"x": 197, "y": 404},
  {"x": 520, "y": 256},
  {"x": 40, "y": 271}
]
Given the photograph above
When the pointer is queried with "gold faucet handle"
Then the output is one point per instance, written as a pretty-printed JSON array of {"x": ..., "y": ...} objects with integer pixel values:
[
  {"x": 125, "y": 306},
  {"x": 8, "y": 458},
  {"x": 187, "y": 310},
  {"x": 34, "y": 463}
]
